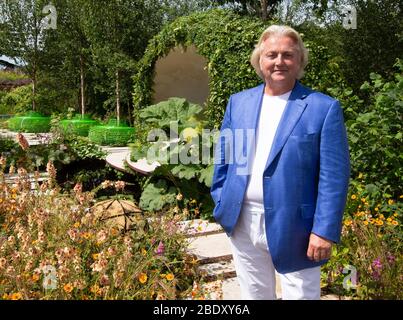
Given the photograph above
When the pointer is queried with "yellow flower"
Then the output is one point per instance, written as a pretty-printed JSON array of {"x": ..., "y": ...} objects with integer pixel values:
[
  {"x": 401, "y": 196},
  {"x": 170, "y": 277},
  {"x": 348, "y": 222},
  {"x": 35, "y": 277},
  {"x": 381, "y": 216},
  {"x": 390, "y": 201},
  {"x": 353, "y": 197},
  {"x": 366, "y": 222},
  {"x": 76, "y": 225},
  {"x": 389, "y": 219},
  {"x": 95, "y": 256},
  {"x": 5, "y": 296},
  {"x": 95, "y": 289},
  {"x": 143, "y": 251},
  {"x": 143, "y": 278},
  {"x": 16, "y": 296},
  {"x": 395, "y": 223},
  {"x": 68, "y": 287},
  {"x": 379, "y": 222},
  {"x": 360, "y": 175},
  {"x": 376, "y": 209},
  {"x": 87, "y": 235},
  {"x": 363, "y": 200}
]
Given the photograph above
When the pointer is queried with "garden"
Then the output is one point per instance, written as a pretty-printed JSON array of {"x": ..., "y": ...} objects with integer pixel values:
[{"x": 73, "y": 227}]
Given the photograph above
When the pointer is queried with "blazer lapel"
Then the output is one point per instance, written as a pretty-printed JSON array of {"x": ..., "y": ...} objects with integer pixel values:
[{"x": 292, "y": 113}]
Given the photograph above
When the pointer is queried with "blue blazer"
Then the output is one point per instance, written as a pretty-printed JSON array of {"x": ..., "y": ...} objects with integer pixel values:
[{"x": 306, "y": 178}]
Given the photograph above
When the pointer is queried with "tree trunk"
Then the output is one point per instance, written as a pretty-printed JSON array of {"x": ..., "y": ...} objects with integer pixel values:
[
  {"x": 82, "y": 85},
  {"x": 264, "y": 6},
  {"x": 34, "y": 89},
  {"x": 117, "y": 98}
]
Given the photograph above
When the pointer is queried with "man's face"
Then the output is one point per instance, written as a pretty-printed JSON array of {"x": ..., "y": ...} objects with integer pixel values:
[{"x": 280, "y": 61}]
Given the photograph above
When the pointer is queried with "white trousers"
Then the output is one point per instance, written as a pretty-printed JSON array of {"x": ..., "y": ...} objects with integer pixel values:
[{"x": 254, "y": 266}]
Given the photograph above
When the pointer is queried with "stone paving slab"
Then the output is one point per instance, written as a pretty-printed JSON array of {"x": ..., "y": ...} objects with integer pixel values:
[
  {"x": 200, "y": 227},
  {"x": 218, "y": 270},
  {"x": 210, "y": 248}
]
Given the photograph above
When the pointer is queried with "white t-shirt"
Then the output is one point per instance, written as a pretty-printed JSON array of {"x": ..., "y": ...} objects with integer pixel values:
[{"x": 270, "y": 115}]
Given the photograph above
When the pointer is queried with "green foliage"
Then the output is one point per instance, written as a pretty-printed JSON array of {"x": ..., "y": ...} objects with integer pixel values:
[
  {"x": 178, "y": 145},
  {"x": 18, "y": 100},
  {"x": 157, "y": 195},
  {"x": 375, "y": 134},
  {"x": 375, "y": 44},
  {"x": 11, "y": 76},
  {"x": 174, "y": 109}
]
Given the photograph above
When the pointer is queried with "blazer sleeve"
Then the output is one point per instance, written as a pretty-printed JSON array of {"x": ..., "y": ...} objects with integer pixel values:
[
  {"x": 334, "y": 174},
  {"x": 221, "y": 156}
]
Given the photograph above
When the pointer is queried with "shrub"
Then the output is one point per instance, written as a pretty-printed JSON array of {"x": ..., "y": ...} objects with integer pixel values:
[{"x": 375, "y": 134}]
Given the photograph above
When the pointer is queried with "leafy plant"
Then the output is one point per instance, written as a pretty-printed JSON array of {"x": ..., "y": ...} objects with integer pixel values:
[{"x": 184, "y": 176}]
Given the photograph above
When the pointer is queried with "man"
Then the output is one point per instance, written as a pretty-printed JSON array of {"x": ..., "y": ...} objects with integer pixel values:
[{"x": 280, "y": 196}]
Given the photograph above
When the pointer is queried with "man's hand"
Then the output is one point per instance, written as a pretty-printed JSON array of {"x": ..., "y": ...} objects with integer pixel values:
[{"x": 319, "y": 248}]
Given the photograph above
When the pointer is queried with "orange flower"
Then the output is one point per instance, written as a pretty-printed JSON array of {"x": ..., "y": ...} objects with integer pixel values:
[
  {"x": 35, "y": 277},
  {"x": 143, "y": 278},
  {"x": 68, "y": 287},
  {"x": 170, "y": 276},
  {"x": 16, "y": 296}
]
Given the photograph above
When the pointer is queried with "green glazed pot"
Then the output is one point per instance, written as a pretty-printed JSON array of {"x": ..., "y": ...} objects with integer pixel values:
[
  {"x": 79, "y": 125},
  {"x": 31, "y": 122},
  {"x": 111, "y": 134}
]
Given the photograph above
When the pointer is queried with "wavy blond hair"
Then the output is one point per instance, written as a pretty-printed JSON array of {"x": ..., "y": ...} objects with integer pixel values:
[{"x": 283, "y": 31}]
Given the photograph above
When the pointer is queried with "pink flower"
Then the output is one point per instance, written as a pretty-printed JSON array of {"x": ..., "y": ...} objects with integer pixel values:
[
  {"x": 161, "y": 248},
  {"x": 78, "y": 188}
]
